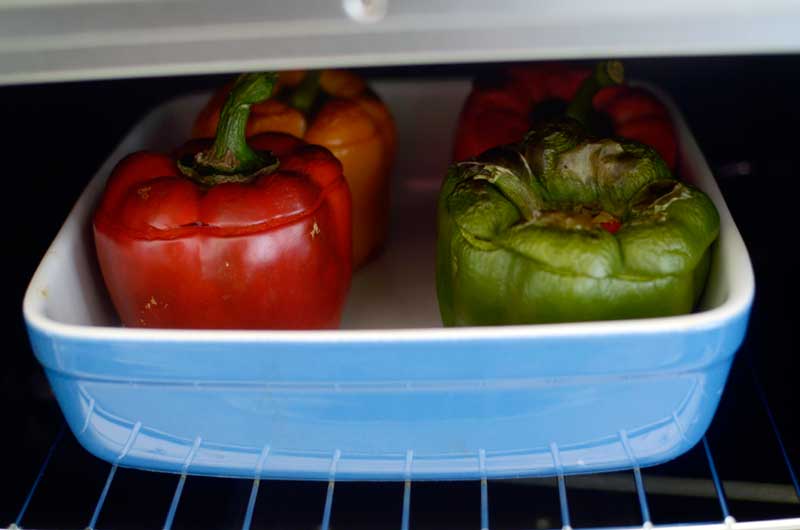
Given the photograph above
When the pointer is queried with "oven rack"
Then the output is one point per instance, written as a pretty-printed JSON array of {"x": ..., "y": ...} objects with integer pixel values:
[{"x": 646, "y": 485}]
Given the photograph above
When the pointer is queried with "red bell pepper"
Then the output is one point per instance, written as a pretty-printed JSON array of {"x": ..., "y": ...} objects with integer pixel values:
[
  {"x": 228, "y": 235},
  {"x": 501, "y": 109}
]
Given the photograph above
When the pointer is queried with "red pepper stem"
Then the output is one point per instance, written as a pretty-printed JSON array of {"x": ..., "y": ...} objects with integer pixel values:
[
  {"x": 230, "y": 159},
  {"x": 605, "y": 74},
  {"x": 305, "y": 94}
]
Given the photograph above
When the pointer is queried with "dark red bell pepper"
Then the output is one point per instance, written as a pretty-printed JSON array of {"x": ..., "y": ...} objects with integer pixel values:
[
  {"x": 502, "y": 108},
  {"x": 228, "y": 235}
]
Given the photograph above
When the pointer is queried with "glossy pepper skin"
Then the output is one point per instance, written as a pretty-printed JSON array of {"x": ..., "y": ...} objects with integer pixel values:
[
  {"x": 335, "y": 109},
  {"x": 501, "y": 109},
  {"x": 257, "y": 237},
  {"x": 564, "y": 226}
]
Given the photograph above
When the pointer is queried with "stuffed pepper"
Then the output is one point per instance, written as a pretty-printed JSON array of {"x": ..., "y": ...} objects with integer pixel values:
[
  {"x": 502, "y": 108},
  {"x": 228, "y": 233},
  {"x": 335, "y": 109},
  {"x": 568, "y": 226}
]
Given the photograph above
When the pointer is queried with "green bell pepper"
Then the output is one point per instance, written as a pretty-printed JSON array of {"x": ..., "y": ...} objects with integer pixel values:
[{"x": 564, "y": 226}]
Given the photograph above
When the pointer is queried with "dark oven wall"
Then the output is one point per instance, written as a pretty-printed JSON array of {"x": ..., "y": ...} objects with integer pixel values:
[{"x": 743, "y": 111}]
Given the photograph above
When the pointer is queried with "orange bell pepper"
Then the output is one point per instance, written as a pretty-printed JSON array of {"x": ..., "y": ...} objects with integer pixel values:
[{"x": 335, "y": 109}]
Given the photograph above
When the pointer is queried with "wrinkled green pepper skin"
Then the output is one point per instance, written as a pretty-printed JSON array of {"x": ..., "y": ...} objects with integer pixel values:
[{"x": 520, "y": 237}]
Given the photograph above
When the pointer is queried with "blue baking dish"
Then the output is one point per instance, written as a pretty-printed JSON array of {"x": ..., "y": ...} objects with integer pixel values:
[{"x": 392, "y": 395}]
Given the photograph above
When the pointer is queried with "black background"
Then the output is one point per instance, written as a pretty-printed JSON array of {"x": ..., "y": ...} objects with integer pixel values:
[{"x": 741, "y": 109}]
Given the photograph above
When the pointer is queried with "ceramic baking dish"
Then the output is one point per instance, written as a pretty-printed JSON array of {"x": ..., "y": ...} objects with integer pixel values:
[{"x": 392, "y": 395}]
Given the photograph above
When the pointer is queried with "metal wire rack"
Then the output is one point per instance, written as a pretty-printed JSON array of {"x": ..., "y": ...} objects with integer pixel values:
[{"x": 559, "y": 514}]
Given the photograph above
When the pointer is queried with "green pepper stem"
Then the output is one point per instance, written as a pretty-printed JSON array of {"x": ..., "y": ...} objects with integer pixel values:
[
  {"x": 605, "y": 74},
  {"x": 520, "y": 194},
  {"x": 230, "y": 159},
  {"x": 304, "y": 94},
  {"x": 508, "y": 170}
]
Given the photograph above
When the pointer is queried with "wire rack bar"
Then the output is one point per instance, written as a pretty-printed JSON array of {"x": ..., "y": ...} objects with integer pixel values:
[
  {"x": 173, "y": 507},
  {"x": 110, "y": 478},
  {"x": 326, "y": 514},
  {"x": 562, "y": 499},
  {"x": 637, "y": 477},
  {"x": 674, "y": 486},
  {"x": 763, "y": 397},
  {"x": 770, "y": 524},
  {"x": 484, "y": 491},
  {"x": 42, "y": 468},
  {"x": 251, "y": 503},
  {"x": 723, "y": 502},
  {"x": 405, "y": 520},
  {"x": 484, "y": 504},
  {"x": 102, "y": 498},
  {"x": 562, "y": 487}
]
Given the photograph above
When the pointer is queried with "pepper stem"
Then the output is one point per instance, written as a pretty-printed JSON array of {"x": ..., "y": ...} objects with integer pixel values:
[
  {"x": 304, "y": 95},
  {"x": 230, "y": 159},
  {"x": 507, "y": 169},
  {"x": 605, "y": 74}
]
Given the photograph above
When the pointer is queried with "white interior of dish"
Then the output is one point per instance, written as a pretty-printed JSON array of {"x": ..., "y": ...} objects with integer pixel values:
[{"x": 397, "y": 289}]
